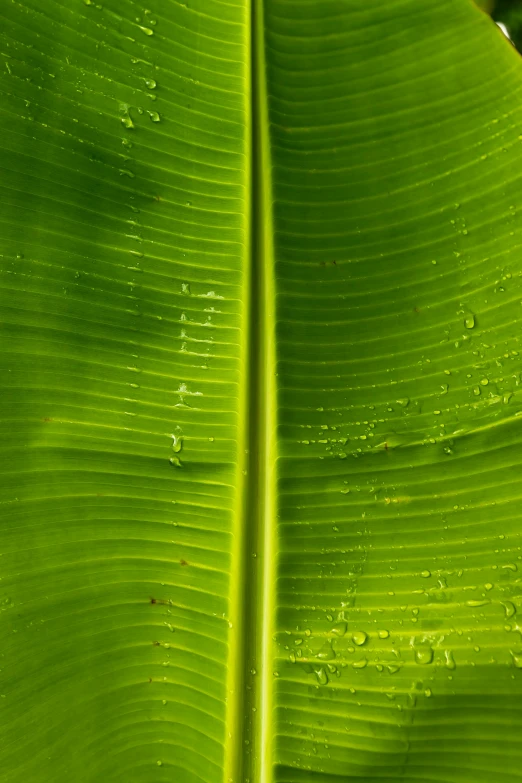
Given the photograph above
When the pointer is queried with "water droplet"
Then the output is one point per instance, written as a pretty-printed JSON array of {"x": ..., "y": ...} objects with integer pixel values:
[
  {"x": 424, "y": 655},
  {"x": 509, "y": 608},
  {"x": 477, "y": 602},
  {"x": 151, "y": 84},
  {"x": 425, "y": 574},
  {"x": 484, "y": 382},
  {"x": 359, "y": 638},
  {"x": 126, "y": 173},
  {"x": 177, "y": 443},
  {"x": 154, "y": 116},
  {"x": 469, "y": 322},
  {"x": 383, "y": 634},
  {"x": 339, "y": 629},
  {"x": 176, "y": 462},
  {"x": 326, "y": 653},
  {"x": 321, "y": 675},
  {"x": 127, "y": 122},
  {"x": 360, "y": 664},
  {"x": 428, "y": 692},
  {"x": 185, "y": 288},
  {"x": 449, "y": 660},
  {"x": 146, "y": 30}
]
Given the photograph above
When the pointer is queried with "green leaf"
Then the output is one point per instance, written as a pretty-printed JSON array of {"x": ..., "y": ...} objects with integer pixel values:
[{"x": 261, "y": 274}]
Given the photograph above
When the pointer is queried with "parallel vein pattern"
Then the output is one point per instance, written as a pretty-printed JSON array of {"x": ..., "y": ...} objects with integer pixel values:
[
  {"x": 123, "y": 204},
  {"x": 396, "y": 147}
]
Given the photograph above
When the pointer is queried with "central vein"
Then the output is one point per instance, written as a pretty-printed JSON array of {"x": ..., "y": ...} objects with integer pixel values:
[{"x": 249, "y": 751}]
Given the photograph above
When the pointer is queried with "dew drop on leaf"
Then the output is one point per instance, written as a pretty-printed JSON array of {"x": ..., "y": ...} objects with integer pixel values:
[
  {"x": 326, "y": 653},
  {"x": 321, "y": 676},
  {"x": 424, "y": 655},
  {"x": 177, "y": 443},
  {"x": 449, "y": 661},
  {"x": 359, "y": 638}
]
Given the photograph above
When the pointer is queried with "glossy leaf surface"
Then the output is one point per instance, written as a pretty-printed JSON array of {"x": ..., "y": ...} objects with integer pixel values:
[{"x": 260, "y": 392}]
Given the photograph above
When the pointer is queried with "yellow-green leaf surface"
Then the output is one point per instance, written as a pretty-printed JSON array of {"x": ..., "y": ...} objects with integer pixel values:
[{"x": 260, "y": 458}]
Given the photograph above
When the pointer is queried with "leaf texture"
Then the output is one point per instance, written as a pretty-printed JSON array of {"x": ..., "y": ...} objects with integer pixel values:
[{"x": 260, "y": 367}]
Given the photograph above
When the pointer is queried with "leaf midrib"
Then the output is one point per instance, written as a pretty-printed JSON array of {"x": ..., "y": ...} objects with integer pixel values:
[{"x": 248, "y": 751}]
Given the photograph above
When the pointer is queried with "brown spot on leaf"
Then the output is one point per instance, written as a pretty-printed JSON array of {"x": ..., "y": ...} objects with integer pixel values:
[{"x": 183, "y": 562}]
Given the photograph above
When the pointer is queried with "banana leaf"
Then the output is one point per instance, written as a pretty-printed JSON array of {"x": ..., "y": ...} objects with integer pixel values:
[{"x": 261, "y": 302}]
